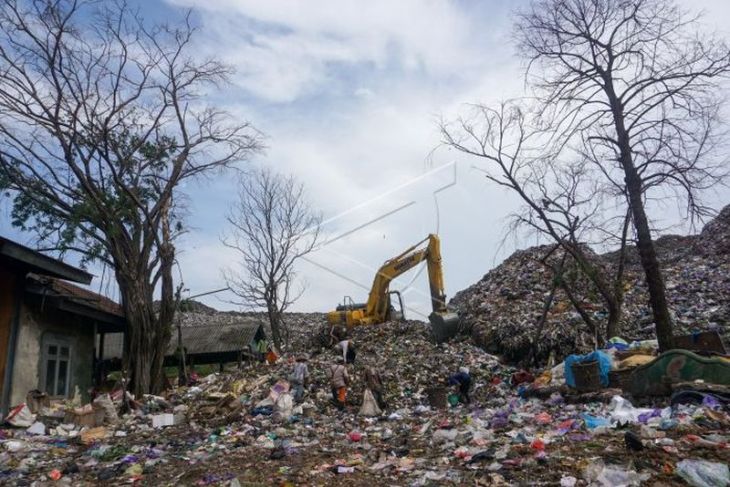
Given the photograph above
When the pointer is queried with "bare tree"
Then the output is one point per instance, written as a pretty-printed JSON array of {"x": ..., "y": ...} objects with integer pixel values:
[
  {"x": 273, "y": 226},
  {"x": 632, "y": 86},
  {"x": 101, "y": 122},
  {"x": 563, "y": 202}
]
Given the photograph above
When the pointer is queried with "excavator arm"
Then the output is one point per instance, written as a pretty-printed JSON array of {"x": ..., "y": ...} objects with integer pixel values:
[{"x": 378, "y": 304}]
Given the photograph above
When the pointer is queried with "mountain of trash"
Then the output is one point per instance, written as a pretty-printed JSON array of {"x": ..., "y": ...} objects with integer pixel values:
[
  {"x": 242, "y": 427},
  {"x": 501, "y": 311}
]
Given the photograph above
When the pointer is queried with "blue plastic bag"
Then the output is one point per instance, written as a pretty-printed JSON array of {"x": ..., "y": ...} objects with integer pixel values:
[{"x": 593, "y": 422}]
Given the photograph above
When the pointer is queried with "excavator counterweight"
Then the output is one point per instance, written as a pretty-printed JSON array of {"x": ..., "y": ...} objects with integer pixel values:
[{"x": 378, "y": 308}]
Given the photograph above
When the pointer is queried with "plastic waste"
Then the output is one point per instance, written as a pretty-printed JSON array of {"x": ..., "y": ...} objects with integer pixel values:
[
  {"x": 604, "y": 366},
  {"x": 593, "y": 422},
  {"x": 543, "y": 418},
  {"x": 444, "y": 436},
  {"x": 603, "y": 475},
  {"x": 104, "y": 402},
  {"x": 134, "y": 470},
  {"x": 37, "y": 428},
  {"x": 453, "y": 399},
  {"x": 622, "y": 411},
  {"x": 369, "y": 406},
  {"x": 702, "y": 473},
  {"x": 15, "y": 446},
  {"x": 284, "y": 404},
  {"x": 21, "y": 416}
]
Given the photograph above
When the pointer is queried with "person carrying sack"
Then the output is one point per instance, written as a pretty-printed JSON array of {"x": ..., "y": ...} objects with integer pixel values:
[{"x": 339, "y": 380}]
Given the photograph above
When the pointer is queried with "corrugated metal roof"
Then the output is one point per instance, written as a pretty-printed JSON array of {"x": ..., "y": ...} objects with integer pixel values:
[
  {"x": 199, "y": 339},
  {"x": 78, "y": 295},
  {"x": 30, "y": 260}
]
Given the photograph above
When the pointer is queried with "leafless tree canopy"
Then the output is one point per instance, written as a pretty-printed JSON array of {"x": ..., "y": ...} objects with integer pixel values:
[
  {"x": 102, "y": 119},
  {"x": 272, "y": 227},
  {"x": 563, "y": 201},
  {"x": 626, "y": 95},
  {"x": 643, "y": 63}
]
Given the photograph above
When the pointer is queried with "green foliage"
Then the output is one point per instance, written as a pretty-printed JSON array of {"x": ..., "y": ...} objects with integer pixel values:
[{"x": 127, "y": 183}]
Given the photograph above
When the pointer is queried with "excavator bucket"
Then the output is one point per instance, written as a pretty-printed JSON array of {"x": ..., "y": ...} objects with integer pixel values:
[{"x": 444, "y": 325}]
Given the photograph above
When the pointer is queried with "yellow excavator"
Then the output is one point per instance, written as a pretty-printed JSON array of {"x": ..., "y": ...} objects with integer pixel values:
[{"x": 379, "y": 309}]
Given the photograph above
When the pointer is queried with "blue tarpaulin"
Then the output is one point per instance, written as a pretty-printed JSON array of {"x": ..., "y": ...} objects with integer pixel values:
[{"x": 604, "y": 366}]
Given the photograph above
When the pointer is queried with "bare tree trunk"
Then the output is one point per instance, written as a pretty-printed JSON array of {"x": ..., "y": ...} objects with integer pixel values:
[
  {"x": 616, "y": 312},
  {"x": 592, "y": 326},
  {"x": 149, "y": 330},
  {"x": 645, "y": 245},
  {"x": 557, "y": 277},
  {"x": 163, "y": 323},
  {"x": 614, "y": 319},
  {"x": 274, "y": 323},
  {"x": 650, "y": 263},
  {"x": 140, "y": 318}
]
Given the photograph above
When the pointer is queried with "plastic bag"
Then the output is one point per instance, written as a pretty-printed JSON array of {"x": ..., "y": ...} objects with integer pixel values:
[
  {"x": 284, "y": 405},
  {"x": 605, "y": 364},
  {"x": 622, "y": 411},
  {"x": 593, "y": 422},
  {"x": 21, "y": 416},
  {"x": 701, "y": 473},
  {"x": 369, "y": 405},
  {"x": 104, "y": 402},
  {"x": 598, "y": 473}
]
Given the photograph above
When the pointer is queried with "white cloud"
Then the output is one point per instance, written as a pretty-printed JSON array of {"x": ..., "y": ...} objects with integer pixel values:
[
  {"x": 349, "y": 94},
  {"x": 288, "y": 49}
]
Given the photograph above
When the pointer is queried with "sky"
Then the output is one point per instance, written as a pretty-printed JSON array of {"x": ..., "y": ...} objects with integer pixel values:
[{"x": 349, "y": 95}]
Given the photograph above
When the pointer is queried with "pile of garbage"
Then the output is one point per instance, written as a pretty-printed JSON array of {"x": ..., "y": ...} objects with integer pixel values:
[
  {"x": 297, "y": 328},
  {"x": 243, "y": 427},
  {"x": 502, "y": 311}
]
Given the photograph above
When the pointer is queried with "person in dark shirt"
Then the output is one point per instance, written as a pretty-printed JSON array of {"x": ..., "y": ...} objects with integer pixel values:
[
  {"x": 374, "y": 382},
  {"x": 463, "y": 380}
]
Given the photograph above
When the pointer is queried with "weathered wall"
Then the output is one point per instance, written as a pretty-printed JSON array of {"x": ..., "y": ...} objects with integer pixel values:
[{"x": 34, "y": 325}]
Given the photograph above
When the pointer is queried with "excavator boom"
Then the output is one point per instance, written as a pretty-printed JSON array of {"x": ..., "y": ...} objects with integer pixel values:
[{"x": 378, "y": 306}]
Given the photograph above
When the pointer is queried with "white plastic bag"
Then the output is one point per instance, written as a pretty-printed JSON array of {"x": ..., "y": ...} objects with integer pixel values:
[
  {"x": 104, "y": 402},
  {"x": 622, "y": 411},
  {"x": 600, "y": 474},
  {"x": 701, "y": 473},
  {"x": 284, "y": 405},
  {"x": 369, "y": 405},
  {"x": 21, "y": 416}
]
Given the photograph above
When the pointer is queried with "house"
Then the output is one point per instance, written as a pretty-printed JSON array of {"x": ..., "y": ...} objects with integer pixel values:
[
  {"x": 208, "y": 337},
  {"x": 48, "y": 325}
]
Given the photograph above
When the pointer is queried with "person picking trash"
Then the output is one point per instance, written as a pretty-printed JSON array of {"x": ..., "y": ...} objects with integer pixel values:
[
  {"x": 374, "y": 382},
  {"x": 463, "y": 380},
  {"x": 299, "y": 378},
  {"x": 339, "y": 380},
  {"x": 348, "y": 351}
]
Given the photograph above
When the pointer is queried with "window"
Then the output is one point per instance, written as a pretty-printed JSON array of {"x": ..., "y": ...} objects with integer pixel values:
[{"x": 56, "y": 365}]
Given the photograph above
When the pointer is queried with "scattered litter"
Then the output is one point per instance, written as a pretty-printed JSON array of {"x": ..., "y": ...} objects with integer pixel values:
[{"x": 702, "y": 473}]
